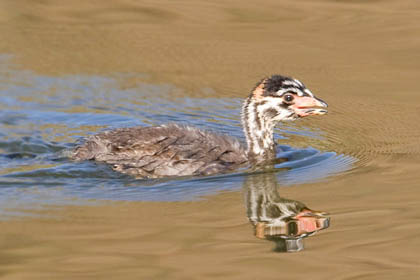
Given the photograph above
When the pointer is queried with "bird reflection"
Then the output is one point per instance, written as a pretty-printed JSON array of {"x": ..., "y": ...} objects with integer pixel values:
[{"x": 284, "y": 221}]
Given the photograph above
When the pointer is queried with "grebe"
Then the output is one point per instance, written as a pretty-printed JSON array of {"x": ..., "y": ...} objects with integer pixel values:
[{"x": 180, "y": 150}]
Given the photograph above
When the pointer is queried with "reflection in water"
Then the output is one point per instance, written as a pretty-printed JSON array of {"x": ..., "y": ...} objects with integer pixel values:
[
  {"x": 42, "y": 116},
  {"x": 284, "y": 221}
]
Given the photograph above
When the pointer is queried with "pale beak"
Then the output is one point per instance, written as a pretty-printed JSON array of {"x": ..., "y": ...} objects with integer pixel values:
[
  {"x": 307, "y": 106},
  {"x": 311, "y": 213}
]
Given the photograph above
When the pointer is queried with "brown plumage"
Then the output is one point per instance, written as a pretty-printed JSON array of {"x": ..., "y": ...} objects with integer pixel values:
[
  {"x": 179, "y": 150},
  {"x": 167, "y": 150}
]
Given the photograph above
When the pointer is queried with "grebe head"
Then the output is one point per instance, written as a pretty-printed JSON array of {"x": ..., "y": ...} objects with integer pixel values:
[
  {"x": 281, "y": 98},
  {"x": 274, "y": 99}
]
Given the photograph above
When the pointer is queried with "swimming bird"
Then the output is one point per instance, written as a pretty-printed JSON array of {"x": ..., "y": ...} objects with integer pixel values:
[{"x": 181, "y": 150}]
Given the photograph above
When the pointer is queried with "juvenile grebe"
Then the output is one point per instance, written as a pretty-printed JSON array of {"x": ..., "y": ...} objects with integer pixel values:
[{"x": 179, "y": 150}]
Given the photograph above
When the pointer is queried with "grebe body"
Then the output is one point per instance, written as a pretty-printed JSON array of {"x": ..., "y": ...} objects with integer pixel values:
[{"x": 180, "y": 150}]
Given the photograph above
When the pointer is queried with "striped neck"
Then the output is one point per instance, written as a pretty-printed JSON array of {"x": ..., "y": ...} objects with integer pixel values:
[{"x": 258, "y": 130}]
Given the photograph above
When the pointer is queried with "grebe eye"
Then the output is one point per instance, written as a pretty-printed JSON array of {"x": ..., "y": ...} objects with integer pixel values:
[{"x": 288, "y": 97}]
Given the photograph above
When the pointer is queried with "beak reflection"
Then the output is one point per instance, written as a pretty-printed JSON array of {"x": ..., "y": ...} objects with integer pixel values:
[{"x": 283, "y": 221}]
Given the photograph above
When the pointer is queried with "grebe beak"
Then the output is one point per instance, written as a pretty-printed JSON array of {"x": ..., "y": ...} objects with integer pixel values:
[{"x": 308, "y": 105}]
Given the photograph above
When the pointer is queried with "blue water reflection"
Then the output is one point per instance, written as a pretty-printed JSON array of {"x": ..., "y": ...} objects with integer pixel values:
[{"x": 42, "y": 117}]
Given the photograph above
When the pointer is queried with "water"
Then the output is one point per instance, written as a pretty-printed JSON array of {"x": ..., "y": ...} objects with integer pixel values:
[
  {"x": 69, "y": 69},
  {"x": 43, "y": 118}
]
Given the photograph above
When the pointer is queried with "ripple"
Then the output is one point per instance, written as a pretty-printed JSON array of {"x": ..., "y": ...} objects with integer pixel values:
[
  {"x": 367, "y": 132},
  {"x": 43, "y": 117}
]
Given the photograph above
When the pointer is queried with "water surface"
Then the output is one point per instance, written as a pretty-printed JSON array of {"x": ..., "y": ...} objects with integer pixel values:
[
  {"x": 71, "y": 69},
  {"x": 43, "y": 118}
]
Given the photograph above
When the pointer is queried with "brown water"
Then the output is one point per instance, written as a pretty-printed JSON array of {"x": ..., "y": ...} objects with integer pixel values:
[{"x": 362, "y": 57}]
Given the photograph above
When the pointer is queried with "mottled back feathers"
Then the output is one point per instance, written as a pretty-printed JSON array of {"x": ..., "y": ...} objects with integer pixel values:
[{"x": 166, "y": 150}]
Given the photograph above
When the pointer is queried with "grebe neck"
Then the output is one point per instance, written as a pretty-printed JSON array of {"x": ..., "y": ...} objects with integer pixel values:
[{"x": 258, "y": 130}]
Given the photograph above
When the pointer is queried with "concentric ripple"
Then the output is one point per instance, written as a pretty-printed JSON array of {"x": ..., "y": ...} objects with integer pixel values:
[
  {"x": 43, "y": 117},
  {"x": 388, "y": 134}
]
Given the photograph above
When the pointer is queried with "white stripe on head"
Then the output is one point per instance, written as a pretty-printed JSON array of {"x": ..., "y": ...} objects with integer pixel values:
[
  {"x": 296, "y": 90},
  {"x": 295, "y": 83},
  {"x": 299, "y": 82}
]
